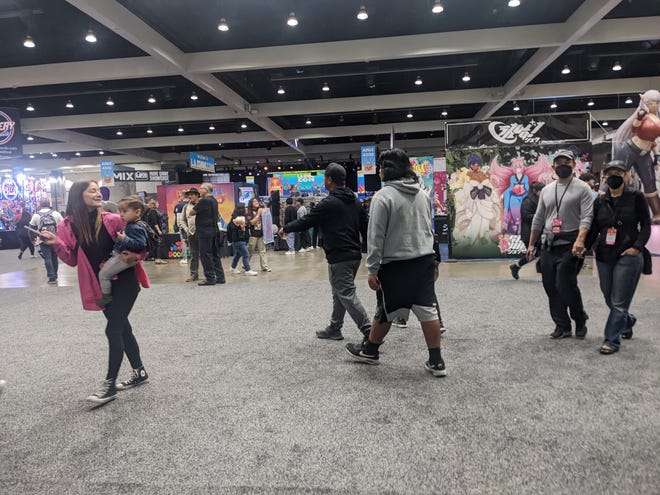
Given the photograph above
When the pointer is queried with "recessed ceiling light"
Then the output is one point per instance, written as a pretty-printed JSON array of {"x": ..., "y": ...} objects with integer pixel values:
[
  {"x": 150, "y": 131},
  {"x": 629, "y": 101},
  {"x": 101, "y": 152},
  {"x": 223, "y": 26},
  {"x": 514, "y": 3},
  {"x": 31, "y": 156},
  {"x": 466, "y": 77},
  {"x": 362, "y": 14},
  {"x": 444, "y": 113},
  {"x": 180, "y": 129},
  {"x": 77, "y": 153},
  {"x": 308, "y": 122},
  {"x": 151, "y": 99},
  {"x": 211, "y": 127},
  {"x": 109, "y": 102},
  {"x": 29, "y": 107},
  {"x": 194, "y": 96},
  {"x": 280, "y": 90},
  {"x": 54, "y": 155},
  {"x": 516, "y": 108},
  {"x": 617, "y": 66},
  {"x": 437, "y": 7},
  {"x": 28, "y": 42},
  {"x": 243, "y": 125},
  {"x": 119, "y": 133},
  {"x": 30, "y": 138},
  {"x": 605, "y": 124},
  {"x": 90, "y": 38},
  {"x": 566, "y": 70},
  {"x": 409, "y": 115},
  {"x": 590, "y": 103},
  {"x": 69, "y": 104},
  {"x": 553, "y": 105},
  {"x": 325, "y": 87},
  {"x": 292, "y": 21},
  {"x": 418, "y": 81}
]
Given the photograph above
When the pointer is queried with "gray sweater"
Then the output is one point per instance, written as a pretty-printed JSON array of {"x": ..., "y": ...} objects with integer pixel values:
[
  {"x": 576, "y": 209},
  {"x": 399, "y": 224}
]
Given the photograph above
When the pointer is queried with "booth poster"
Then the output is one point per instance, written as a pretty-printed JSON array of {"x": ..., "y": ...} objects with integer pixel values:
[
  {"x": 267, "y": 226},
  {"x": 423, "y": 167},
  {"x": 288, "y": 183},
  {"x": 439, "y": 185},
  {"x": 168, "y": 197}
]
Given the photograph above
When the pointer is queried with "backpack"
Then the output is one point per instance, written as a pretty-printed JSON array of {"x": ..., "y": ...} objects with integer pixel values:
[
  {"x": 153, "y": 240},
  {"x": 47, "y": 222}
]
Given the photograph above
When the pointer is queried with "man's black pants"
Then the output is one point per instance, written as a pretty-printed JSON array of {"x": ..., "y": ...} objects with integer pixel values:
[{"x": 209, "y": 255}]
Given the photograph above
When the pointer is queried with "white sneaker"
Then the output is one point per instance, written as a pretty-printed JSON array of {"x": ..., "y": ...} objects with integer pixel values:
[
  {"x": 290, "y": 252},
  {"x": 183, "y": 262},
  {"x": 302, "y": 250},
  {"x": 2, "y": 386},
  {"x": 266, "y": 270},
  {"x": 252, "y": 273},
  {"x": 309, "y": 249},
  {"x": 236, "y": 271}
]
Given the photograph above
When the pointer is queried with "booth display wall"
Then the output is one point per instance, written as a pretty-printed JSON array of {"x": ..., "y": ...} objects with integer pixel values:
[
  {"x": 309, "y": 183},
  {"x": 224, "y": 194}
]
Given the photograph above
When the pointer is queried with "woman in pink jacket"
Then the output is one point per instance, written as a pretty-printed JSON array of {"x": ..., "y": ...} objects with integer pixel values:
[{"x": 86, "y": 239}]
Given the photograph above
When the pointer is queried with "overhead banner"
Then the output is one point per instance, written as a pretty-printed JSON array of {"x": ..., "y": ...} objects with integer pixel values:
[
  {"x": 368, "y": 156},
  {"x": 107, "y": 173},
  {"x": 520, "y": 131},
  {"x": 142, "y": 176},
  {"x": 201, "y": 162},
  {"x": 11, "y": 141}
]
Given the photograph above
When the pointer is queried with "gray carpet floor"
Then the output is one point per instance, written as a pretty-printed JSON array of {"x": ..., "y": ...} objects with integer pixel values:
[{"x": 244, "y": 399}]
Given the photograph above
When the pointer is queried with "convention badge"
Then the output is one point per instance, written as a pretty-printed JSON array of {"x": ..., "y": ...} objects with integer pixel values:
[
  {"x": 610, "y": 238},
  {"x": 556, "y": 225}
]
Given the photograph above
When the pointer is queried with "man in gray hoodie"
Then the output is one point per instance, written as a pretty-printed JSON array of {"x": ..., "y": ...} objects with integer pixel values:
[{"x": 402, "y": 260}]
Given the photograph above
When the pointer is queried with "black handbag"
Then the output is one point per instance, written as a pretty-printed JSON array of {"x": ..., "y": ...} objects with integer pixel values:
[{"x": 647, "y": 268}]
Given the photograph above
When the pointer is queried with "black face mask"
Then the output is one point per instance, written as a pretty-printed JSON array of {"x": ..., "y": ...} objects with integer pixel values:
[
  {"x": 563, "y": 171},
  {"x": 615, "y": 181}
]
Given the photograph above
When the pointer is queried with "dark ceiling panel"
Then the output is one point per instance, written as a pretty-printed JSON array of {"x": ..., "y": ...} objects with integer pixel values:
[
  {"x": 635, "y": 8},
  {"x": 160, "y": 130},
  {"x": 192, "y": 24},
  {"x": 58, "y": 32}
]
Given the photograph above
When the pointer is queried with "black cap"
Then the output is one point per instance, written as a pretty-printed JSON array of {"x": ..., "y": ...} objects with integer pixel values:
[
  {"x": 336, "y": 172},
  {"x": 618, "y": 164},
  {"x": 192, "y": 190}
]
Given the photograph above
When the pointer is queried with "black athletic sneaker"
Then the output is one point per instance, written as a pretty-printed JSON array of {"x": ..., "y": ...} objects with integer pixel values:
[
  {"x": 514, "y": 271},
  {"x": 560, "y": 333},
  {"x": 399, "y": 322},
  {"x": 356, "y": 351},
  {"x": 106, "y": 393},
  {"x": 138, "y": 377},
  {"x": 581, "y": 332},
  {"x": 330, "y": 334},
  {"x": 436, "y": 369}
]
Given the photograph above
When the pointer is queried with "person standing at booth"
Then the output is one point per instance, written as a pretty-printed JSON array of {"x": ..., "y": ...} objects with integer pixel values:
[
  {"x": 256, "y": 242},
  {"x": 208, "y": 236},
  {"x": 187, "y": 225}
]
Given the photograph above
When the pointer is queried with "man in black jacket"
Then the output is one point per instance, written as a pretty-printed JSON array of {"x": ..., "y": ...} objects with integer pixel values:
[
  {"x": 527, "y": 211},
  {"x": 208, "y": 236},
  {"x": 341, "y": 220}
]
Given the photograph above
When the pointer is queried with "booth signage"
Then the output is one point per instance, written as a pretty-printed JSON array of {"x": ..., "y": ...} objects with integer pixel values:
[
  {"x": 520, "y": 131},
  {"x": 9, "y": 189},
  {"x": 142, "y": 176},
  {"x": 201, "y": 162},
  {"x": 368, "y": 158},
  {"x": 107, "y": 173},
  {"x": 11, "y": 143}
]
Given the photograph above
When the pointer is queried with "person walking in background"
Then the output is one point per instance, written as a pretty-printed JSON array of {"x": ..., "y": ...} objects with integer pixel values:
[
  {"x": 25, "y": 240},
  {"x": 256, "y": 242},
  {"x": 208, "y": 236},
  {"x": 341, "y": 242},
  {"x": 527, "y": 211},
  {"x": 563, "y": 216},
  {"x": 621, "y": 227},
  {"x": 178, "y": 210},
  {"x": 47, "y": 219},
  {"x": 238, "y": 232},
  {"x": 402, "y": 261},
  {"x": 290, "y": 215},
  {"x": 315, "y": 230},
  {"x": 85, "y": 239},
  {"x": 303, "y": 236},
  {"x": 187, "y": 225},
  {"x": 153, "y": 218}
]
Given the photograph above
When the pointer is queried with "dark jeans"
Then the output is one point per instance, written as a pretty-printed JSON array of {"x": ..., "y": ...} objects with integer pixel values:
[
  {"x": 50, "y": 260},
  {"x": 618, "y": 281},
  {"x": 559, "y": 269},
  {"x": 25, "y": 242},
  {"x": 632, "y": 156},
  {"x": 194, "y": 255},
  {"x": 344, "y": 296},
  {"x": 241, "y": 251},
  {"x": 118, "y": 329},
  {"x": 315, "y": 236},
  {"x": 209, "y": 255},
  {"x": 304, "y": 241}
]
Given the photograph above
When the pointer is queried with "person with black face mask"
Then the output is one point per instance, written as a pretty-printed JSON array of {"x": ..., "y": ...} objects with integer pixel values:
[
  {"x": 620, "y": 229},
  {"x": 563, "y": 216}
]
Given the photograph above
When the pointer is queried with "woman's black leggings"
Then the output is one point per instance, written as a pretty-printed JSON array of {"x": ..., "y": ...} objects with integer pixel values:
[
  {"x": 24, "y": 242},
  {"x": 118, "y": 329}
]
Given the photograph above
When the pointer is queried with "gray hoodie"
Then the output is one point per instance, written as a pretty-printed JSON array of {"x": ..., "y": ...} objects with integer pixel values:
[{"x": 399, "y": 224}]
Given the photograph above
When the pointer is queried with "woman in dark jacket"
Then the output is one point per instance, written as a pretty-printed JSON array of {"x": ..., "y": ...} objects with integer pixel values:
[
  {"x": 620, "y": 229},
  {"x": 153, "y": 218}
]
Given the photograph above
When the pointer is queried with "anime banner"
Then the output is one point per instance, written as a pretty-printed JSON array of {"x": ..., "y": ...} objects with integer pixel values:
[
  {"x": 169, "y": 196},
  {"x": 368, "y": 159},
  {"x": 11, "y": 141},
  {"x": 297, "y": 183},
  {"x": 519, "y": 131},
  {"x": 439, "y": 186},
  {"x": 486, "y": 188},
  {"x": 423, "y": 167}
]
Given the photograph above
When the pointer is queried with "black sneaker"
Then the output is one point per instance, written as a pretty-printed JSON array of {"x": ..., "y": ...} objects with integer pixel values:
[
  {"x": 104, "y": 300},
  {"x": 106, "y": 393},
  {"x": 207, "y": 282},
  {"x": 330, "y": 334},
  {"x": 138, "y": 377},
  {"x": 436, "y": 369},
  {"x": 399, "y": 322},
  {"x": 627, "y": 334},
  {"x": 581, "y": 332},
  {"x": 560, "y": 334},
  {"x": 356, "y": 351},
  {"x": 514, "y": 271}
]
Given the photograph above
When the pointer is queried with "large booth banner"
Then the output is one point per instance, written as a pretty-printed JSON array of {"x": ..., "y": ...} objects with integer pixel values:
[
  {"x": 520, "y": 131},
  {"x": 439, "y": 185},
  {"x": 368, "y": 158},
  {"x": 11, "y": 141},
  {"x": 169, "y": 196},
  {"x": 485, "y": 191},
  {"x": 107, "y": 173},
  {"x": 310, "y": 183},
  {"x": 423, "y": 167}
]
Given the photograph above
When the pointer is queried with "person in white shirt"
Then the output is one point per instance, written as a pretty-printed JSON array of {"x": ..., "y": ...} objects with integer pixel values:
[{"x": 47, "y": 219}]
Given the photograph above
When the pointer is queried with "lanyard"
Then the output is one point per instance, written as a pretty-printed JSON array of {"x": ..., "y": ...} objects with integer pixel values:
[
  {"x": 558, "y": 202},
  {"x": 613, "y": 213}
]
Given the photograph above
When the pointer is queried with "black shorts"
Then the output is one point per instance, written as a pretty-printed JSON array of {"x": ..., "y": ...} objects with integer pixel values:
[{"x": 407, "y": 285}]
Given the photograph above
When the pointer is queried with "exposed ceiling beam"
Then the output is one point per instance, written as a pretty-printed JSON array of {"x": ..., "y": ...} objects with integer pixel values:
[{"x": 578, "y": 24}]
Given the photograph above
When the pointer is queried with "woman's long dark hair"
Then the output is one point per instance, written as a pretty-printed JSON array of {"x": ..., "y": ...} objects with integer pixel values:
[
  {"x": 251, "y": 209},
  {"x": 395, "y": 164},
  {"x": 77, "y": 210},
  {"x": 239, "y": 211}
]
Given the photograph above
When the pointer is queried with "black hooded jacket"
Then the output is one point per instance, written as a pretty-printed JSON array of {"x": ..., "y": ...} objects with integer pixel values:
[{"x": 341, "y": 220}]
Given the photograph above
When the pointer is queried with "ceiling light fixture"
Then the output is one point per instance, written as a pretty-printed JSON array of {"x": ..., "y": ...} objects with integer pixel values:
[
  {"x": 119, "y": 132},
  {"x": 629, "y": 101},
  {"x": 109, "y": 102},
  {"x": 69, "y": 104},
  {"x": 409, "y": 115},
  {"x": 444, "y": 113},
  {"x": 31, "y": 156},
  {"x": 77, "y": 153},
  {"x": 514, "y": 3},
  {"x": 194, "y": 96},
  {"x": 605, "y": 124},
  {"x": 180, "y": 129},
  {"x": 362, "y": 13},
  {"x": 553, "y": 105},
  {"x": 292, "y": 21},
  {"x": 280, "y": 90},
  {"x": 223, "y": 26},
  {"x": 466, "y": 77},
  {"x": 325, "y": 87},
  {"x": 516, "y": 108},
  {"x": 566, "y": 70},
  {"x": 54, "y": 155},
  {"x": 243, "y": 125},
  {"x": 308, "y": 122},
  {"x": 211, "y": 127},
  {"x": 29, "y": 107},
  {"x": 150, "y": 131},
  {"x": 28, "y": 42},
  {"x": 30, "y": 138},
  {"x": 590, "y": 103},
  {"x": 418, "y": 81},
  {"x": 151, "y": 99},
  {"x": 437, "y": 7},
  {"x": 616, "y": 67},
  {"x": 101, "y": 152},
  {"x": 90, "y": 38}
]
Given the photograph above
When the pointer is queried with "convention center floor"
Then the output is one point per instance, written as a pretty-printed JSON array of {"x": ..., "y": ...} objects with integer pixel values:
[{"x": 243, "y": 398}]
